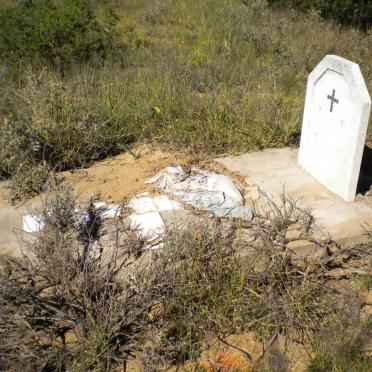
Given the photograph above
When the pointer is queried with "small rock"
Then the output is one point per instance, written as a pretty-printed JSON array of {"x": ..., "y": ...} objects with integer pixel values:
[
  {"x": 252, "y": 192},
  {"x": 304, "y": 249},
  {"x": 293, "y": 234},
  {"x": 70, "y": 338}
]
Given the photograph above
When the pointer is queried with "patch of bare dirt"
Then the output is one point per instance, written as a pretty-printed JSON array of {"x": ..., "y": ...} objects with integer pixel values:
[
  {"x": 244, "y": 352},
  {"x": 122, "y": 176}
]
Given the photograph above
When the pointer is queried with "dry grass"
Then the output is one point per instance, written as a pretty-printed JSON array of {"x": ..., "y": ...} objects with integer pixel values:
[{"x": 343, "y": 347}]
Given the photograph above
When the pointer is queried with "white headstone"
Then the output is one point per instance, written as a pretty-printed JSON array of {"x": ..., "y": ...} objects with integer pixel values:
[{"x": 335, "y": 124}]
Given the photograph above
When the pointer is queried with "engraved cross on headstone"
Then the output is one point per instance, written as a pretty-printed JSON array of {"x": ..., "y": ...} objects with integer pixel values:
[{"x": 333, "y": 99}]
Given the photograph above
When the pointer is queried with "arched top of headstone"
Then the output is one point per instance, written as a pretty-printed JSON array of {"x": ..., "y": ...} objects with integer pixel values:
[{"x": 350, "y": 70}]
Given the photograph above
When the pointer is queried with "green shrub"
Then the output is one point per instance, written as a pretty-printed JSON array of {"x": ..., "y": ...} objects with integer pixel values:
[
  {"x": 56, "y": 126},
  {"x": 349, "y": 12},
  {"x": 57, "y": 31},
  {"x": 28, "y": 180}
]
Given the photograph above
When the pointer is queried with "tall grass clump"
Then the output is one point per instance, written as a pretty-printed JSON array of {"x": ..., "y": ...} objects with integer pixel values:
[
  {"x": 42, "y": 125},
  {"x": 52, "y": 126}
]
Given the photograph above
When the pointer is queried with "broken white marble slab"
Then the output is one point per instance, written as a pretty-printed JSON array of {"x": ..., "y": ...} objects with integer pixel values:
[
  {"x": 207, "y": 191},
  {"x": 144, "y": 204},
  {"x": 164, "y": 204},
  {"x": 146, "y": 219},
  {"x": 32, "y": 223},
  {"x": 107, "y": 210},
  {"x": 149, "y": 226},
  {"x": 203, "y": 190}
]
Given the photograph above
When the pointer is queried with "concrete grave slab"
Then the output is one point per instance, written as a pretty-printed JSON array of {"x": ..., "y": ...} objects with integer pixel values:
[
  {"x": 10, "y": 225},
  {"x": 334, "y": 127},
  {"x": 273, "y": 170}
]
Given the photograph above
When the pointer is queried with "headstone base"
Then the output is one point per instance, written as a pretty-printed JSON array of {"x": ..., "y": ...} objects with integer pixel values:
[{"x": 274, "y": 169}]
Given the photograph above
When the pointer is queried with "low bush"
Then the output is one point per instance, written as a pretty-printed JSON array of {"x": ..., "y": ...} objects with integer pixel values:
[
  {"x": 215, "y": 295},
  {"x": 59, "y": 32},
  {"x": 220, "y": 284},
  {"x": 28, "y": 180},
  {"x": 343, "y": 349},
  {"x": 63, "y": 306},
  {"x": 346, "y": 12}
]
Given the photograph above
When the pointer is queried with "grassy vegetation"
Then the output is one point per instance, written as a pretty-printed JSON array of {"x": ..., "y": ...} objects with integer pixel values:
[
  {"x": 203, "y": 76},
  {"x": 343, "y": 349}
]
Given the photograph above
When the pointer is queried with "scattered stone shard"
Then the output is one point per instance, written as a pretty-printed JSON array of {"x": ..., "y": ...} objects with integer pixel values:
[
  {"x": 144, "y": 203},
  {"x": 107, "y": 210},
  {"x": 203, "y": 190},
  {"x": 149, "y": 226},
  {"x": 147, "y": 221},
  {"x": 32, "y": 223}
]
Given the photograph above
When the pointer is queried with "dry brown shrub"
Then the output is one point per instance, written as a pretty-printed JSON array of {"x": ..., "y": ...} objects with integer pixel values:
[
  {"x": 63, "y": 305},
  {"x": 87, "y": 296}
]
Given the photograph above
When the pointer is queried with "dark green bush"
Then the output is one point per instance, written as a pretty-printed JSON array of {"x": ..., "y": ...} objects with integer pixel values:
[
  {"x": 59, "y": 32},
  {"x": 346, "y": 12}
]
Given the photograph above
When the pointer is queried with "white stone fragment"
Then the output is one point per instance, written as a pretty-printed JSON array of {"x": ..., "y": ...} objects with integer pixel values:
[
  {"x": 105, "y": 210},
  {"x": 149, "y": 226},
  {"x": 142, "y": 205},
  {"x": 32, "y": 223},
  {"x": 147, "y": 221},
  {"x": 147, "y": 204},
  {"x": 108, "y": 211},
  {"x": 163, "y": 203},
  {"x": 167, "y": 177},
  {"x": 334, "y": 125}
]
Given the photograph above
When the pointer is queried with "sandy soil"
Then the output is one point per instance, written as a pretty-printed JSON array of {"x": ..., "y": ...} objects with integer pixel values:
[{"x": 122, "y": 176}]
